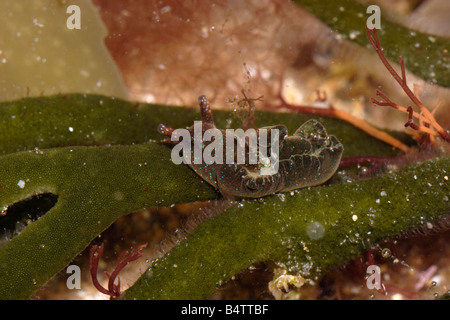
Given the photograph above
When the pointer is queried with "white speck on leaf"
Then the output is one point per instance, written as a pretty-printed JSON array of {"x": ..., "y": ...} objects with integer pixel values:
[{"x": 21, "y": 184}]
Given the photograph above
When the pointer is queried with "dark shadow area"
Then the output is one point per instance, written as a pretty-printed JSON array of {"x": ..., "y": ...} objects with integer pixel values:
[{"x": 17, "y": 216}]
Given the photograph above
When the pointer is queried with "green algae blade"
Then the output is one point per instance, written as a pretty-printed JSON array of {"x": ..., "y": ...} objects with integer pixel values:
[
  {"x": 99, "y": 156},
  {"x": 307, "y": 233},
  {"x": 95, "y": 186}
]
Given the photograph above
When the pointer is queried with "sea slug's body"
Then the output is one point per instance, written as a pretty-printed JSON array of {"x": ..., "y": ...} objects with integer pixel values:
[{"x": 307, "y": 158}]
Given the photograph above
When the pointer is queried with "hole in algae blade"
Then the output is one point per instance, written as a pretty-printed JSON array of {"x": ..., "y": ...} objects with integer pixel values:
[{"x": 15, "y": 218}]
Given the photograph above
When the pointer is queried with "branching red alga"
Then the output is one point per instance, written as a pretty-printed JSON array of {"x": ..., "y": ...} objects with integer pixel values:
[
  {"x": 427, "y": 122},
  {"x": 113, "y": 289}
]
